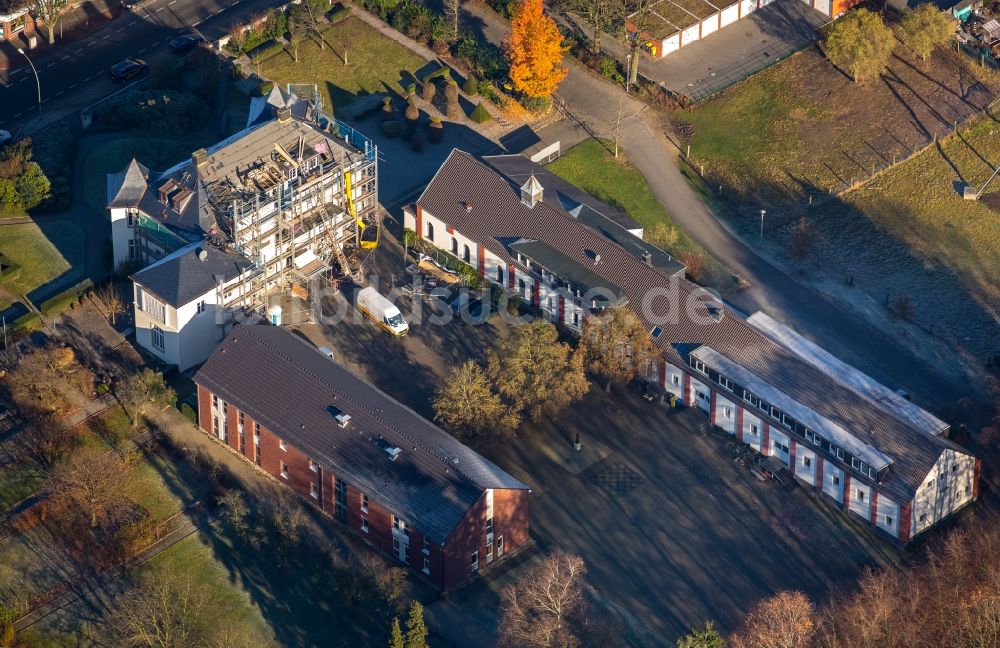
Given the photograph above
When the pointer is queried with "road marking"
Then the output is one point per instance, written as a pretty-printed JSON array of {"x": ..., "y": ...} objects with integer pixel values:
[
  {"x": 119, "y": 30},
  {"x": 65, "y": 58},
  {"x": 18, "y": 115},
  {"x": 73, "y": 86},
  {"x": 48, "y": 66},
  {"x": 171, "y": 2},
  {"x": 159, "y": 10},
  {"x": 141, "y": 51},
  {"x": 60, "y": 92},
  {"x": 106, "y": 37}
]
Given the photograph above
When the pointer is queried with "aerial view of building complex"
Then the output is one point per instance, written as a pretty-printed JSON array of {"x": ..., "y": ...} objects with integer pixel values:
[{"x": 499, "y": 324}]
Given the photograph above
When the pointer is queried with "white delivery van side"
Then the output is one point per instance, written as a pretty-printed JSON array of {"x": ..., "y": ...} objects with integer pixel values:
[{"x": 381, "y": 311}]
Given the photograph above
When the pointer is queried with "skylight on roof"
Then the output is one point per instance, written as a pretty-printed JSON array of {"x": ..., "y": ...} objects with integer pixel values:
[{"x": 656, "y": 332}]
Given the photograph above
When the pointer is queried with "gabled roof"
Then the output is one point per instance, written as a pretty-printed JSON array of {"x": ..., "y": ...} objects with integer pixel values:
[
  {"x": 189, "y": 273},
  {"x": 498, "y": 216},
  {"x": 127, "y": 188},
  {"x": 294, "y": 391}
]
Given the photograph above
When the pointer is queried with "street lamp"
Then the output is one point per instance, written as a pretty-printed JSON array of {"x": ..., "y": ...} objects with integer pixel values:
[
  {"x": 38, "y": 83},
  {"x": 762, "y": 212}
]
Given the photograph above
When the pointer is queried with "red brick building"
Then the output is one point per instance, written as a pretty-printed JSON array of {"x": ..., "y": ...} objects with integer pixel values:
[{"x": 399, "y": 481}]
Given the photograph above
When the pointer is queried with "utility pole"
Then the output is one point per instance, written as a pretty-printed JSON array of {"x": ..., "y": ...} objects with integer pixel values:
[
  {"x": 38, "y": 83},
  {"x": 618, "y": 123},
  {"x": 762, "y": 213}
]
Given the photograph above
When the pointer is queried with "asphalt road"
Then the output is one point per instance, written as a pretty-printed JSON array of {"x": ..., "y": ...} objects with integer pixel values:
[{"x": 75, "y": 74}]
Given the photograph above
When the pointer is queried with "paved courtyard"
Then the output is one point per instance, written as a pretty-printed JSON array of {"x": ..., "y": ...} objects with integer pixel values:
[{"x": 673, "y": 532}]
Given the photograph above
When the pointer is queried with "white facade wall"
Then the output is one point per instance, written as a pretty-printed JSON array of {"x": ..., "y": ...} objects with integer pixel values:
[
  {"x": 725, "y": 413},
  {"x": 673, "y": 380},
  {"x": 824, "y": 7},
  {"x": 121, "y": 234},
  {"x": 861, "y": 498},
  {"x": 730, "y": 14},
  {"x": 753, "y": 430},
  {"x": 947, "y": 488},
  {"x": 670, "y": 44},
  {"x": 690, "y": 34},
  {"x": 805, "y": 464},
  {"x": 780, "y": 446},
  {"x": 189, "y": 337},
  {"x": 710, "y": 25},
  {"x": 747, "y": 7},
  {"x": 702, "y": 395},
  {"x": 833, "y": 481},
  {"x": 887, "y": 515}
]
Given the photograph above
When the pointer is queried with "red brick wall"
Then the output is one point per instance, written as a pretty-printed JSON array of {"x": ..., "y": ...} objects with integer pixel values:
[{"x": 449, "y": 566}]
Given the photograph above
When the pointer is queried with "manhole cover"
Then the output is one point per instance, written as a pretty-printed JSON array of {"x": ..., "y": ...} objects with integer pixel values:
[{"x": 617, "y": 479}]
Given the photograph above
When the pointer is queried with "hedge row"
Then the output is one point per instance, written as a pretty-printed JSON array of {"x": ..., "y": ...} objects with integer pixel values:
[
  {"x": 267, "y": 50},
  {"x": 62, "y": 301}
]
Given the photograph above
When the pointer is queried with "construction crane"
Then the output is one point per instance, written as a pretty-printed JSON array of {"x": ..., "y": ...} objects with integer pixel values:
[{"x": 368, "y": 235}]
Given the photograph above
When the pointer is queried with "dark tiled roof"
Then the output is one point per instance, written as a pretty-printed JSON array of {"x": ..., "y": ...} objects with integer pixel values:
[
  {"x": 287, "y": 385},
  {"x": 498, "y": 215},
  {"x": 127, "y": 188},
  {"x": 183, "y": 276}
]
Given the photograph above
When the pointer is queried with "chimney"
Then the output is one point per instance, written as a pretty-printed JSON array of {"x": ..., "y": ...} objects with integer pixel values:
[
  {"x": 284, "y": 115},
  {"x": 199, "y": 158},
  {"x": 647, "y": 258},
  {"x": 468, "y": 205}
]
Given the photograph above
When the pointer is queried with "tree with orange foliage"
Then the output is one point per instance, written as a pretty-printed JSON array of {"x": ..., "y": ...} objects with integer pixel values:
[{"x": 534, "y": 51}]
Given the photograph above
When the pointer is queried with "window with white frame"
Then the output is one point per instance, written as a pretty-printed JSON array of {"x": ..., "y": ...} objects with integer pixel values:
[
  {"x": 699, "y": 366},
  {"x": 489, "y": 526},
  {"x": 364, "y": 525},
  {"x": 284, "y": 470},
  {"x": 807, "y": 462},
  {"x": 154, "y": 308},
  {"x": 427, "y": 547},
  {"x": 836, "y": 480},
  {"x": 726, "y": 383},
  {"x": 313, "y": 466},
  {"x": 427, "y": 565},
  {"x": 364, "y": 503},
  {"x": 283, "y": 445},
  {"x": 200, "y": 307},
  {"x": 489, "y": 551},
  {"x": 314, "y": 490},
  {"x": 156, "y": 337},
  {"x": 888, "y": 520},
  {"x": 675, "y": 380},
  {"x": 727, "y": 411},
  {"x": 499, "y": 546},
  {"x": 474, "y": 561},
  {"x": 754, "y": 429},
  {"x": 861, "y": 495}
]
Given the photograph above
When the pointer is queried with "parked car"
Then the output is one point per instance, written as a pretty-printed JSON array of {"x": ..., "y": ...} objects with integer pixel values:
[
  {"x": 184, "y": 43},
  {"x": 5, "y": 137},
  {"x": 128, "y": 69}
]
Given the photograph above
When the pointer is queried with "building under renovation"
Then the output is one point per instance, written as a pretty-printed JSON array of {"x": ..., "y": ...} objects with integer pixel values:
[{"x": 219, "y": 237}]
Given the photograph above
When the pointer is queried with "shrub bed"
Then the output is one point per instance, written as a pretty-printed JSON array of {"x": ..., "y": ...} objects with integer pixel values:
[
  {"x": 62, "y": 301},
  {"x": 155, "y": 110},
  {"x": 55, "y": 153}
]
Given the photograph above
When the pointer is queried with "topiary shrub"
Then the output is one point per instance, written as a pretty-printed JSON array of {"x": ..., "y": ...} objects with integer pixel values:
[
  {"x": 412, "y": 112},
  {"x": 265, "y": 88},
  {"x": 188, "y": 412},
  {"x": 391, "y": 128},
  {"x": 435, "y": 131},
  {"x": 411, "y": 90},
  {"x": 480, "y": 115},
  {"x": 451, "y": 107},
  {"x": 338, "y": 13},
  {"x": 471, "y": 86},
  {"x": 387, "y": 111},
  {"x": 427, "y": 91}
]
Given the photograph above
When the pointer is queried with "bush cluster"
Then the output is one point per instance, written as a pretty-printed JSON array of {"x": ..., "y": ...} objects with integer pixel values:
[
  {"x": 170, "y": 111},
  {"x": 23, "y": 184}
]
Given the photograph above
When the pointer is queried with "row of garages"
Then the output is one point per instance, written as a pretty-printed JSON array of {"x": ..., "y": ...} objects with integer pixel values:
[{"x": 672, "y": 24}]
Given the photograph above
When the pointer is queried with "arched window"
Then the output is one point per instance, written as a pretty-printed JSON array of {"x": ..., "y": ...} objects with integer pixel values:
[
  {"x": 500, "y": 274},
  {"x": 430, "y": 231},
  {"x": 454, "y": 246},
  {"x": 466, "y": 256}
]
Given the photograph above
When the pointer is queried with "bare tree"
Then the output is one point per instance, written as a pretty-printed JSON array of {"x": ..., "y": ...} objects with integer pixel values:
[
  {"x": 138, "y": 391},
  {"x": 451, "y": 9},
  {"x": 601, "y": 15},
  {"x": 785, "y": 620},
  {"x": 90, "y": 480},
  {"x": 638, "y": 16},
  {"x": 467, "y": 406},
  {"x": 48, "y": 11},
  {"x": 539, "y": 608},
  {"x": 163, "y": 612},
  {"x": 109, "y": 299},
  {"x": 295, "y": 42},
  {"x": 43, "y": 440}
]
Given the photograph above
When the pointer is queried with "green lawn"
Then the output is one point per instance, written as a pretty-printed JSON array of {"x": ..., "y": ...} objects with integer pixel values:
[
  {"x": 591, "y": 167},
  {"x": 157, "y": 153},
  {"x": 42, "y": 252},
  {"x": 375, "y": 64}
]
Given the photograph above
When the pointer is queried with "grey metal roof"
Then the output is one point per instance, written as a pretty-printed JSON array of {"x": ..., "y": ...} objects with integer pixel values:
[
  {"x": 127, "y": 188},
  {"x": 774, "y": 396},
  {"x": 580, "y": 278},
  {"x": 498, "y": 215},
  {"x": 184, "y": 276},
  {"x": 288, "y": 386}
]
